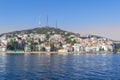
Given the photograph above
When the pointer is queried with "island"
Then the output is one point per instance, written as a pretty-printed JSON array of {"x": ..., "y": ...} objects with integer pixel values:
[{"x": 55, "y": 40}]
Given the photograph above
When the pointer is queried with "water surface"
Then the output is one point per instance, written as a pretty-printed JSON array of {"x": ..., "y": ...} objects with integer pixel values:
[{"x": 60, "y": 67}]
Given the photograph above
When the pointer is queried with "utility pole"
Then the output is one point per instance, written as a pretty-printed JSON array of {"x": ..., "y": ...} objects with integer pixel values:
[
  {"x": 56, "y": 25},
  {"x": 47, "y": 21},
  {"x": 39, "y": 23}
]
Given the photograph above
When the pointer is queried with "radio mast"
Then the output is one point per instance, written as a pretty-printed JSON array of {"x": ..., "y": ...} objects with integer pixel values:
[{"x": 47, "y": 21}]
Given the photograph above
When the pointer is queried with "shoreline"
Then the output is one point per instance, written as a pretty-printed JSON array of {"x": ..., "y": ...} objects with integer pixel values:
[{"x": 59, "y": 52}]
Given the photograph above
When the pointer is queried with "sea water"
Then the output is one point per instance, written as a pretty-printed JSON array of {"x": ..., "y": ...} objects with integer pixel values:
[{"x": 60, "y": 67}]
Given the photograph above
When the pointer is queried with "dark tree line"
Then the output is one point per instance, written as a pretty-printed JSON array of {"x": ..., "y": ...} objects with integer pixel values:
[{"x": 14, "y": 45}]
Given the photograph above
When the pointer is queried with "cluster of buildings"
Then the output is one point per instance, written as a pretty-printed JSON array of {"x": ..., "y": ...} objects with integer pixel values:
[{"x": 55, "y": 42}]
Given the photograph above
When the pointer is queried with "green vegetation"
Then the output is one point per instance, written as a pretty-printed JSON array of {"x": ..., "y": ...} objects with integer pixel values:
[
  {"x": 102, "y": 50},
  {"x": 42, "y": 49},
  {"x": 11, "y": 43},
  {"x": 47, "y": 36},
  {"x": 41, "y": 30},
  {"x": 118, "y": 50},
  {"x": 53, "y": 48}
]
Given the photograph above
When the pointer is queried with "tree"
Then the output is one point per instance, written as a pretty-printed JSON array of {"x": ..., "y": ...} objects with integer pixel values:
[
  {"x": 101, "y": 49},
  {"x": 42, "y": 49},
  {"x": 32, "y": 45},
  {"x": 52, "y": 47},
  {"x": 68, "y": 40},
  {"x": 10, "y": 45},
  {"x": 60, "y": 44},
  {"x": 47, "y": 36},
  {"x": 15, "y": 45}
]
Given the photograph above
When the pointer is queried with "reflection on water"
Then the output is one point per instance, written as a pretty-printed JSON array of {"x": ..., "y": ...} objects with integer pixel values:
[
  {"x": 59, "y": 66},
  {"x": 2, "y": 65}
]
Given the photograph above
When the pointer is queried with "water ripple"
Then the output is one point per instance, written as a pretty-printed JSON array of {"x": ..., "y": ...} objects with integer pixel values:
[{"x": 60, "y": 67}]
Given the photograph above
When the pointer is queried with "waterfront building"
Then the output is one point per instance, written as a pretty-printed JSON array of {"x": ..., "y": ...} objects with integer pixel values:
[{"x": 27, "y": 48}]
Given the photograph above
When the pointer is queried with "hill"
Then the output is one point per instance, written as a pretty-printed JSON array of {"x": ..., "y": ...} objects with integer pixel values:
[
  {"x": 40, "y": 30},
  {"x": 44, "y": 30}
]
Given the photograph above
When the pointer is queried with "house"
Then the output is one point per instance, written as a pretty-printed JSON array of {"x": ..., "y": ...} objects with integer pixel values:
[
  {"x": 4, "y": 41},
  {"x": 76, "y": 47},
  {"x": 61, "y": 50},
  {"x": 42, "y": 37},
  {"x": 3, "y": 47},
  {"x": 87, "y": 49},
  {"x": 105, "y": 47},
  {"x": 27, "y": 48},
  {"x": 98, "y": 48},
  {"x": 67, "y": 48},
  {"x": 47, "y": 46}
]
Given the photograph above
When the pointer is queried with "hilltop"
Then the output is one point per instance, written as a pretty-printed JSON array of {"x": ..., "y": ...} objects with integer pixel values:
[
  {"x": 41, "y": 30},
  {"x": 44, "y": 30}
]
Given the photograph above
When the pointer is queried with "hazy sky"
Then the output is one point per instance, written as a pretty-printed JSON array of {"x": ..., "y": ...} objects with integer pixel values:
[{"x": 101, "y": 17}]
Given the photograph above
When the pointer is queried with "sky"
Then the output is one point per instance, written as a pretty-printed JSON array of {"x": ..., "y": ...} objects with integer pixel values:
[{"x": 98, "y": 17}]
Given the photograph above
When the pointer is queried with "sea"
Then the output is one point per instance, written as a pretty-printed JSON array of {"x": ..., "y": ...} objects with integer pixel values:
[{"x": 59, "y": 66}]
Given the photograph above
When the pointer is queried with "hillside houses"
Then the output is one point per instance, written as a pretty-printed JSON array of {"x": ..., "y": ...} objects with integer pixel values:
[{"x": 60, "y": 42}]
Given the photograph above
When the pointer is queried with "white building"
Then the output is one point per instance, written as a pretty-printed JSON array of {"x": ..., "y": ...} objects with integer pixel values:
[
  {"x": 77, "y": 48},
  {"x": 27, "y": 48},
  {"x": 47, "y": 48}
]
